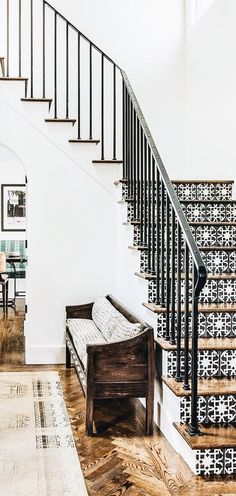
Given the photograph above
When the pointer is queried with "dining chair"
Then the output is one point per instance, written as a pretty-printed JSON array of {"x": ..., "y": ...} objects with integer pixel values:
[{"x": 3, "y": 280}]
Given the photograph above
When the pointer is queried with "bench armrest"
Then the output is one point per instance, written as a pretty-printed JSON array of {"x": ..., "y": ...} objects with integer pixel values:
[{"x": 79, "y": 311}]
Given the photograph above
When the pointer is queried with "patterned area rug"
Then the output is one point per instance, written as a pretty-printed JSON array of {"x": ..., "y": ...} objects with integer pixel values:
[{"x": 37, "y": 451}]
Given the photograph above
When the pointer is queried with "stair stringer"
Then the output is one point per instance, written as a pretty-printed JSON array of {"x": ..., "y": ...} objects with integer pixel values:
[{"x": 59, "y": 135}]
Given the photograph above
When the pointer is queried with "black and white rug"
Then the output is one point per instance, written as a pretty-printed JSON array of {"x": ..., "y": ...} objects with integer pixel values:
[{"x": 37, "y": 451}]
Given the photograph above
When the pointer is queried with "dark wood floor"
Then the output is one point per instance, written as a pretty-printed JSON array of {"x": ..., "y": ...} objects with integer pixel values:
[{"x": 118, "y": 460}]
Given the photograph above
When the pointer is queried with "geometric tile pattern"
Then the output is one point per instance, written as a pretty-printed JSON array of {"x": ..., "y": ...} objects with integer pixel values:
[
  {"x": 210, "y": 212},
  {"x": 214, "y": 291},
  {"x": 211, "y": 363},
  {"x": 216, "y": 461},
  {"x": 203, "y": 191},
  {"x": 219, "y": 409},
  {"x": 212, "y": 324},
  {"x": 214, "y": 235}
]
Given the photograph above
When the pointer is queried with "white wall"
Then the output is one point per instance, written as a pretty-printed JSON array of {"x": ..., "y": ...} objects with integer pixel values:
[
  {"x": 211, "y": 95},
  {"x": 71, "y": 222}
]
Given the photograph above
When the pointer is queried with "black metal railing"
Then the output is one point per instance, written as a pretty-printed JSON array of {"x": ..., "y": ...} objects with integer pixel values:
[
  {"x": 172, "y": 256},
  {"x": 166, "y": 236}
]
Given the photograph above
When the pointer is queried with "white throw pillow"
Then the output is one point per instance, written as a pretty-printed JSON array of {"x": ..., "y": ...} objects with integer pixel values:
[
  {"x": 104, "y": 316},
  {"x": 125, "y": 330}
]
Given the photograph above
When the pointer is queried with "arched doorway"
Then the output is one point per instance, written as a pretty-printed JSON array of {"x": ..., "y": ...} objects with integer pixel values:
[{"x": 13, "y": 242}]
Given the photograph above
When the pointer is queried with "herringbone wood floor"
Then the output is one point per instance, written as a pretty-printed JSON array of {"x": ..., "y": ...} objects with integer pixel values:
[{"x": 118, "y": 460}]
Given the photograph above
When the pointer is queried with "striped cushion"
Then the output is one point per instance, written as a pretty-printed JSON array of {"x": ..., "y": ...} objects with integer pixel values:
[
  {"x": 83, "y": 332},
  {"x": 125, "y": 330},
  {"x": 105, "y": 316}
]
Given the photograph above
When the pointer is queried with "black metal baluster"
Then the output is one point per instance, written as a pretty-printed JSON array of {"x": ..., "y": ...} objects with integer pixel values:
[
  {"x": 102, "y": 107},
  {"x": 44, "y": 50},
  {"x": 124, "y": 123},
  {"x": 138, "y": 170},
  {"x": 67, "y": 70},
  {"x": 167, "y": 335},
  {"x": 90, "y": 92},
  {"x": 186, "y": 319},
  {"x": 173, "y": 277},
  {"x": 19, "y": 38},
  {"x": 149, "y": 182},
  {"x": 178, "y": 307},
  {"x": 193, "y": 428},
  {"x": 31, "y": 49},
  {"x": 145, "y": 190},
  {"x": 134, "y": 165},
  {"x": 162, "y": 222},
  {"x": 141, "y": 189},
  {"x": 55, "y": 65},
  {"x": 79, "y": 90},
  {"x": 114, "y": 112},
  {"x": 129, "y": 146},
  {"x": 153, "y": 188},
  {"x": 131, "y": 150},
  {"x": 126, "y": 133},
  {"x": 158, "y": 238},
  {"x": 8, "y": 34}
]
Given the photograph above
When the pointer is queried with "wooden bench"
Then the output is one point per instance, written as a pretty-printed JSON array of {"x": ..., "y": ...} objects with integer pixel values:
[{"x": 123, "y": 369}]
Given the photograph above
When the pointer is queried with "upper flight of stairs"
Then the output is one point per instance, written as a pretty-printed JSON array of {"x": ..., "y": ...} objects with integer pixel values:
[{"x": 211, "y": 213}]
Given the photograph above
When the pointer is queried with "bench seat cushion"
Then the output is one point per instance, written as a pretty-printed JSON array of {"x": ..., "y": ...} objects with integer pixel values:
[{"x": 83, "y": 332}]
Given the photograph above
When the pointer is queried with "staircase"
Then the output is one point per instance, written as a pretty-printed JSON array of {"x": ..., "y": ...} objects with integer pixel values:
[
  {"x": 211, "y": 213},
  {"x": 182, "y": 229}
]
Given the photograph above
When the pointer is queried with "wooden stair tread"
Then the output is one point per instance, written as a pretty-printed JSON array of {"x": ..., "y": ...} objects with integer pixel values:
[
  {"x": 212, "y": 436},
  {"x": 95, "y": 141},
  {"x": 107, "y": 161},
  {"x": 216, "y": 248},
  {"x": 208, "y": 201},
  {"x": 70, "y": 121},
  {"x": 146, "y": 276},
  {"x": 203, "y": 344},
  {"x": 37, "y": 100},
  {"x": 120, "y": 181},
  {"x": 205, "y": 223},
  {"x": 204, "y": 308},
  {"x": 132, "y": 223},
  {"x": 200, "y": 181},
  {"x": 138, "y": 247},
  {"x": 212, "y": 386},
  {"x": 13, "y": 79},
  {"x": 210, "y": 276}
]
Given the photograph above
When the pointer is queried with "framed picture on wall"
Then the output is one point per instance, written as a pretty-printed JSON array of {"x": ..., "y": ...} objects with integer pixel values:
[{"x": 13, "y": 207}]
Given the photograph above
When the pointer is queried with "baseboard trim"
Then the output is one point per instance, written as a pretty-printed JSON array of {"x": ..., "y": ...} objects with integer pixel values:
[{"x": 44, "y": 355}]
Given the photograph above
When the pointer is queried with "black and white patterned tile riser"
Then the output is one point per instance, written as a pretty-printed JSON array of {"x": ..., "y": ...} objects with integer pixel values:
[
  {"x": 215, "y": 291},
  {"x": 203, "y": 191},
  {"x": 210, "y": 212},
  {"x": 214, "y": 235},
  {"x": 219, "y": 409},
  {"x": 216, "y": 461},
  {"x": 212, "y": 324},
  {"x": 211, "y": 363}
]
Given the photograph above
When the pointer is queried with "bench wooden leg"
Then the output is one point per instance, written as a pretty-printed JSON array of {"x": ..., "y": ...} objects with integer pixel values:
[
  {"x": 2, "y": 67},
  {"x": 68, "y": 357},
  {"x": 89, "y": 417},
  {"x": 149, "y": 414}
]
